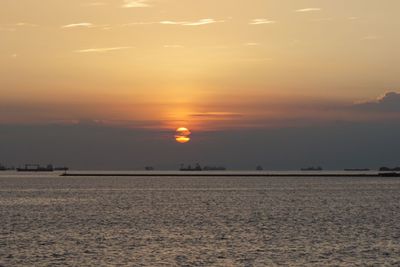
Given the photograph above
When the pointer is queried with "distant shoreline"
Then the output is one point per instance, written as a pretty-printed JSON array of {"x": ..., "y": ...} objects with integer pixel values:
[{"x": 229, "y": 175}]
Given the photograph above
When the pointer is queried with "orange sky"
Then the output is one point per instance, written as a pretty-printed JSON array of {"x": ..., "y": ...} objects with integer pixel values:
[{"x": 201, "y": 64}]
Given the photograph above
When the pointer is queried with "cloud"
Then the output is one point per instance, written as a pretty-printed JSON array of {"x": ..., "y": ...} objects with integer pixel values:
[
  {"x": 389, "y": 102},
  {"x": 103, "y": 50},
  {"x": 199, "y": 22},
  {"x": 24, "y": 24},
  {"x": 332, "y": 146},
  {"x": 252, "y": 44},
  {"x": 191, "y": 23},
  {"x": 217, "y": 115},
  {"x": 13, "y": 27},
  {"x": 309, "y": 9},
  {"x": 86, "y": 25},
  {"x": 261, "y": 21},
  {"x": 78, "y": 25},
  {"x": 135, "y": 3}
]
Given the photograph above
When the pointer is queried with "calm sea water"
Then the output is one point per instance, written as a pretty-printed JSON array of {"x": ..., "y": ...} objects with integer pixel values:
[{"x": 54, "y": 221}]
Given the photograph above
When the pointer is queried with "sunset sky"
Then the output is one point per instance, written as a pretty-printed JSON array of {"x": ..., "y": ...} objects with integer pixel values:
[{"x": 218, "y": 66}]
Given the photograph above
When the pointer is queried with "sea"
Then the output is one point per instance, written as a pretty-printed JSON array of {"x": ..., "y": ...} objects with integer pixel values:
[{"x": 49, "y": 220}]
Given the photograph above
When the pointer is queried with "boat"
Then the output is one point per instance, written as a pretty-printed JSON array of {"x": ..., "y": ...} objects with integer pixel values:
[
  {"x": 36, "y": 168},
  {"x": 189, "y": 168},
  {"x": 357, "y": 170},
  {"x": 386, "y": 169}
]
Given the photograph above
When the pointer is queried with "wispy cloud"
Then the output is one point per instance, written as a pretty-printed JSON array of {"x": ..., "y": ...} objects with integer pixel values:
[
  {"x": 78, "y": 25},
  {"x": 217, "y": 115},
  {"x": 199, "y": 22},
  {"x": 86, "y": 25},
  {"x": 261, "y": 21},
  {"x": 251, "y": 44},
  {"x": 13, "y": 26},
  {"x": 103, "y": 50},
  {"x": 191, "y": 23},
  {"x": 135, "y": 3},
  {"x": 309, "y": 9},
  {"x": 25, "y": 24}
]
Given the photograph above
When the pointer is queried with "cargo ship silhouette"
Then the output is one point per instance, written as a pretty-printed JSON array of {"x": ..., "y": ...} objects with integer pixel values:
[
  {"x": 38, "y": 168},
  {"x": 199, "y": 168}
]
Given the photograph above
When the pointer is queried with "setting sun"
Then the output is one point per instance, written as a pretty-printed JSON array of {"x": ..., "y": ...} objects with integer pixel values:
[{"x": 182, "y": 135}]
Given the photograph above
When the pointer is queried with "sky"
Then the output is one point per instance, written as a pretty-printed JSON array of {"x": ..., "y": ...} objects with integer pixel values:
[{"x": 230, "y": 71}]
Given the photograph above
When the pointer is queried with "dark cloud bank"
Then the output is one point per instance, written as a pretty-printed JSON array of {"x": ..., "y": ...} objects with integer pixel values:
[
  {"x": 333, "y": 145},
  {"x": 390, "y": 102},
  {"x": 341, "y": 145}
]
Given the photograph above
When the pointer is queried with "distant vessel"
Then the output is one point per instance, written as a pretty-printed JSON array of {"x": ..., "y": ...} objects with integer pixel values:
[
  {"x": 36, "y": 168},
  {"x": 189, "y": 168},
  {"x": 312, "y": 169},
  {"x": 4, "y": 168},
  {"x": 357, "y": 170},
  {"x": 259, "y": 168},
  {"x": 199, "y": 168},
  {"x": 149, "y": 168},
  {"x": 386, "y": 169}
]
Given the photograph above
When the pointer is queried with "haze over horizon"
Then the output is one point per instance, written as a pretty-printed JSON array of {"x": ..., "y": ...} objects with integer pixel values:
[{"x": 279, "y": 83}]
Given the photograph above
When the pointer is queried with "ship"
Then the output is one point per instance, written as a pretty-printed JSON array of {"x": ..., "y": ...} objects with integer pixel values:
[
  {"x": 189, "y": 168},
  {"x": 36, "y": 168},
  {"x": 199, "y": 168},
  {"x": 5, "y": 168},
  {"x": 386, "y": 169}
]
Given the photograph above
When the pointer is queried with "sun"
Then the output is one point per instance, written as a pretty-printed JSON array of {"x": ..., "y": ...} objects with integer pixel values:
[{"x": 182, "y": 135}]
